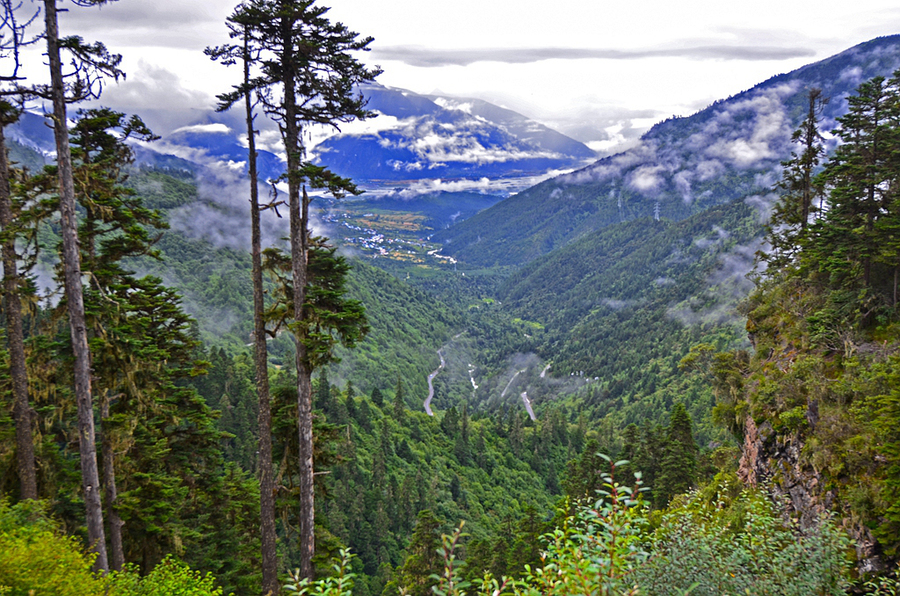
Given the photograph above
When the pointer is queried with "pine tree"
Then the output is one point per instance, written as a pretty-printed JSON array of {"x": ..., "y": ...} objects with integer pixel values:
[
  {"x": 799, "y": 186},
  {"x": 92, "y": 63},
  {"x": 450, "y": 422},
  {"x": 399, "y": 402},
  {"x": 307, "y": 75},
  {"x": 329, "y": 318},
  {"x": 115, "y": 226},
  {"x": 323, "y": 393},
  {"x": 423, "y": 561},
  {"x": 12, "y": 39},
  {"x": 247, "y": 54},
  {"x": 25, "y": 458},
  {"x": 377, "y": 397},
  {"x": 679, "y": 461},
  {"x": 461, "y": 443},
  {"x": 847, "y": 243},
  {"x": 584, "y": 474}
]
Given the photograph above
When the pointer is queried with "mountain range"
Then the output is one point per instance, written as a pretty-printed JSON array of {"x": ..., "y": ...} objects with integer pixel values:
[
  {"x": 411, "y": 138},
  {"x": 682, "y": 166},
  {"x": 420, "y": 137}
]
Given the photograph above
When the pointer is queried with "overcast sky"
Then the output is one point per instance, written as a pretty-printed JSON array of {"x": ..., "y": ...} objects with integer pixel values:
[{"x": 598, "y": 70}]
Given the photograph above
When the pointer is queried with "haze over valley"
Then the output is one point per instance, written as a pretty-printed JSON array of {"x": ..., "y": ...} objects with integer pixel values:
[{"x": 486, "y": 322}]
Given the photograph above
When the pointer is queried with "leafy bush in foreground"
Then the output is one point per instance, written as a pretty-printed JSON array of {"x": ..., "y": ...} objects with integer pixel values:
[
  {"x": 742, "y": 546},
  {"x": 35, "y": 558}
]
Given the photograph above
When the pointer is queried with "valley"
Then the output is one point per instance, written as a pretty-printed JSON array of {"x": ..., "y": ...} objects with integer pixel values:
[{"x": 660, "y": 329}]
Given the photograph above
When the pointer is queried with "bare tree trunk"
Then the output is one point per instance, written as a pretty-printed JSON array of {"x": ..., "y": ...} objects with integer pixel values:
[
  {"x": 21, "y": 409},
  {"x": 75, "y": 300},
  {"x": 270, "y": 585},
  {"x": 299, "y": 238},
  {"x": 299, "y": 255},
  {"x": 117, "y": 551}
]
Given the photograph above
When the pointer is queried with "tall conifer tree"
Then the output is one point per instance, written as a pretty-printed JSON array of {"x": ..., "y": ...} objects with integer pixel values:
[
  {"x": 678, "y": 471},
  {"x": 799, "y": 186},
  {"x": 248, "y": 54},
  {"x": 855, "y": 244},
  {"x": 307, "y": 78},
  {"x": 12, "y": 39},
  {"x": 92, "y": 63}
]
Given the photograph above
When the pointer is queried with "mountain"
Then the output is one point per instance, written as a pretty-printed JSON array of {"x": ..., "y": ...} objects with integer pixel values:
[
  {"x": 682, "y": 166},
  {"x": 425, "y": 137},
  {"x": 412, "y": 138},
  {"x": 621, "y": 307}
]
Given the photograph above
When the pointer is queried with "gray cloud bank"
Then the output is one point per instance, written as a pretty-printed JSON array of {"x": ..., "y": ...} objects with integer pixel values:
[{"x": 427, "y": 57}]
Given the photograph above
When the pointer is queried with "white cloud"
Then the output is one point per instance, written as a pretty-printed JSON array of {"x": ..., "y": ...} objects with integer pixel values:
[
  {"x": 769, "y": 128},
  {"x": 437, "y": 185},
  {"x": 217, "y": 127},
  {"x": 763, "y": 205},
  {"x": 682, "y": 182},
  {"x": 709, "y": 168},
  {"x": 646, "y": 178}
]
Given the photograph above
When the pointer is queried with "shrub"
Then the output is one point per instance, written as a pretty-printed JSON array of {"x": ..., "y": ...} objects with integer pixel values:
[
  {"x": 36, "y": 559},
  {"x": 742, "y": 546},
  {"x": 171, "y": 578}
]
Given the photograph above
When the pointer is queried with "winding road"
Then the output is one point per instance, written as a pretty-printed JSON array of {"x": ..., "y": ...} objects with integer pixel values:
[
  {"x": 431, "y": 377},
  {"x": 527, "y": 403},
  {"x": 505, "y": 389}
]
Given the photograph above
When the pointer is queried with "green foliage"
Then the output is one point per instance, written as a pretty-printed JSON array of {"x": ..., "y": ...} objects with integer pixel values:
[
  {"x": 596, "y": 550},
  {"x": 338, "y": 584},
  {"x": 35, "y": 558},
  {"x": 170, "y": 577},
  {"x": 44, "y": 562},
  {"x": 679, "y": 459},
  {"x": 882, "y": 586},
  {"x": 742, "y": 545},
  {"x": 622, "y": 307},
  {"x": 823, "y": 324},
  {"x": 419, "y": 572},
  {"x": 330, "y": 317}
]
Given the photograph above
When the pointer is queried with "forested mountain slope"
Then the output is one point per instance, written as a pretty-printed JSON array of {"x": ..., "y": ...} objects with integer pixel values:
[
  {"x": 620, "y": 308},
  {"x": 682, "y": 166},
  {"x": 816, "y": 402},
  {"x": 406, "y": 325}
]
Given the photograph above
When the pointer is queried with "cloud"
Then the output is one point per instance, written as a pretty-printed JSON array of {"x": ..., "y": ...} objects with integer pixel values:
[
  {"x": 468, "y": 139},
  {"x": 646, "y": 179},
  {"x": 204, "y": 128},
  {"x": 168, "y": 23},
  {"x": 158, "y": 95},
  {"x": 728, "y": 285},
  {"x": 682, "y": 182},
  {"x": 709, "y": 168},
  {"x": 430, "y": 58},
  {"x": 763, "y": 205},
  {"x": 420, "y": 187},
  {"x": 221, "y": 215},
  {"x": 749, "y": 131},
  {"x": 614, "y": 166},
  {"x": 616, "y": 304}
]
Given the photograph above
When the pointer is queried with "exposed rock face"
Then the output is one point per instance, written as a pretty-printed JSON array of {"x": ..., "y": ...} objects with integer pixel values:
[{"x": 774, "y": 462}]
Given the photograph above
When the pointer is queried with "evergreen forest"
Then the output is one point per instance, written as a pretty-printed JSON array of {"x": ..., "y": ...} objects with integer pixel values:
[{"x": 704, "y": 401}]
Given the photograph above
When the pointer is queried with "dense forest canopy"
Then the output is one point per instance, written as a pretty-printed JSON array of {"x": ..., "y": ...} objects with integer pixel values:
[{"x": 627, "y": 413}]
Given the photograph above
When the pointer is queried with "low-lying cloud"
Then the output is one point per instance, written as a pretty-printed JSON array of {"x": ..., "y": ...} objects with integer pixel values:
[
  {"x": 221, "y": 215},
  {"x": 431, "y": 58}
]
